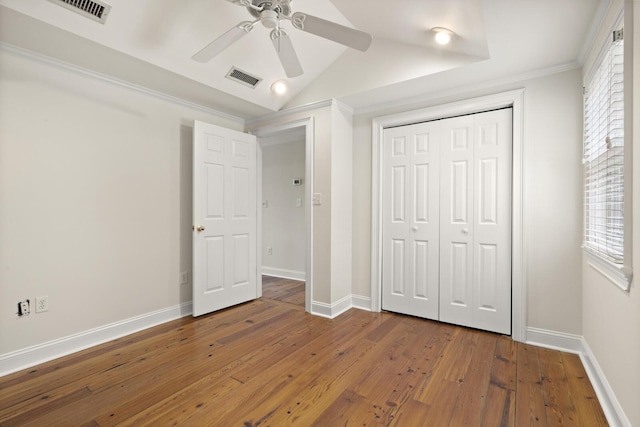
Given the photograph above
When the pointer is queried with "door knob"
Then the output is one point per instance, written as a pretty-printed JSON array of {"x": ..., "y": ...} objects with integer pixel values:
[
  {"x": 465, "y": 231},
  {"x": 414, "y": 228},
  {"x": 200, "y": 228}
]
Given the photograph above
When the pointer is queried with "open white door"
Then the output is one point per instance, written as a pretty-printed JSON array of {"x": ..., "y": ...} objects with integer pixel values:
[{"x": 225, "y": 218}]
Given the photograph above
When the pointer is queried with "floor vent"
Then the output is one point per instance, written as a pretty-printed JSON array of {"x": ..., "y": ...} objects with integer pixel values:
[
  {"x": 93, "y": 9},
  {"x": 243, "y": 77}
]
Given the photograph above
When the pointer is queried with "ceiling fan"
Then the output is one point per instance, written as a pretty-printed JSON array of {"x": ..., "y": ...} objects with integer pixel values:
[{"x": 270, "y": 13}]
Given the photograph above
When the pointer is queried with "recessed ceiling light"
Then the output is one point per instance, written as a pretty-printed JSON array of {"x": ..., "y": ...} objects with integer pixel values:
[
  {"x": 280, "y": 87},
  {"x": 443, "y": 36}
]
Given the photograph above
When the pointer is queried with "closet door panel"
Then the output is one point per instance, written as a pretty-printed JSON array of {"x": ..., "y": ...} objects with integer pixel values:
[
  {"x": 492, "y": 227},
  {"x": 410, "y": 220},
  {"x": 456, "y": 220}
]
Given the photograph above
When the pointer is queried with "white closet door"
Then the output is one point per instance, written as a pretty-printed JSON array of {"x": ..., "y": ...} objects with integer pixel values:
[
  {"x": 456, "y": 221},
  {"x": 411, "y": 220},
  {"x": 475, "y": 236},
  {"x": 492, "y": 227}
]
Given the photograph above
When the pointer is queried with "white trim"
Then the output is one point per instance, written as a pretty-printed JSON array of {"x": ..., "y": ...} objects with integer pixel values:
[
  {"x": 554, "y": 340},
  {"x": 361, "y": 302},
  {"x": 331, "y": 311},
  {"x": 41, "y": 353},
  {"x": 284, "y": 273},
  {"x": 279, "y": 115},
  {"x": 594, "y": 29},
  {"x": 608, "y": 401},
  {"x": 615, "y": 274},
  {"x": 513, "y": 99},
  {"x": 309, "y": 126},
  {"x": 43, "y": 59},
  {"x": 258, "y": 219}
]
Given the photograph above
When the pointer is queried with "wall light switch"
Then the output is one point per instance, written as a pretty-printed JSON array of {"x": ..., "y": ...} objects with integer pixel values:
[
  {"x": 317, "y": 199},
  {"x": 298, "y": 203},
  {"x": 265, "y": 204}
]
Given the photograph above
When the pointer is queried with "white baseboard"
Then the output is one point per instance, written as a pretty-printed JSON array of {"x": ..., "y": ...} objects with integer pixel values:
[
  {"x": 554, "y": 340},
  {"x": 31, "y": 356},
  {"x": 331, "y": 310},
  {"x": 284, "y": 274},
  {"x": 361, "y": 303},
  {"x": 578, "y": 345},
  {"x": 610, "y": 405}
]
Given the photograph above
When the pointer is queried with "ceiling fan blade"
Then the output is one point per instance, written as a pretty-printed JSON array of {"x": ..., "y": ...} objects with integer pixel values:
[
  {"x": 223, "y": 42},
  {"x": 330, "y": 30},
  {"x": 286, "y": 53}
]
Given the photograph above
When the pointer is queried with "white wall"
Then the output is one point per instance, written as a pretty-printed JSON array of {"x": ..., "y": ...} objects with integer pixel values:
[
  {"x": 283, "y": 222},
  {"x": 552, "y": 197},
  {"x": 342, "y": 199},
  {"x": 95, "y": 200},
  {"x": 611, "y": 317}
]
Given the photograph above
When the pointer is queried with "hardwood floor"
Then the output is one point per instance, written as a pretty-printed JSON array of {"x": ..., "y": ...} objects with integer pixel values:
[
  {"x": 285, "y": 290},
  {"x": 268, "y": 363}
]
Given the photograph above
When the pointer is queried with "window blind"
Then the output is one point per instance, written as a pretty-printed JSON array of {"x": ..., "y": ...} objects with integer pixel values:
[{"x": 603, "y": 157}]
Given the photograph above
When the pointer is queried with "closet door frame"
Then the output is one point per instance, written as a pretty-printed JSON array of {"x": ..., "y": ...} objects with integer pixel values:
[{"x": 514, "y": 99}]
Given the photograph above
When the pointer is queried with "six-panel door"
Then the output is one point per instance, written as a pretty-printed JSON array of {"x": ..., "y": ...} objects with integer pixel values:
[
  {"x": 410, "y": 218},
  {"x": 225, "y": 218}
]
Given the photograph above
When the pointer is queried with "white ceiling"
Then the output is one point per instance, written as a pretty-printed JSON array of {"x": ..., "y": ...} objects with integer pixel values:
[{"x": 150, "y": 43}]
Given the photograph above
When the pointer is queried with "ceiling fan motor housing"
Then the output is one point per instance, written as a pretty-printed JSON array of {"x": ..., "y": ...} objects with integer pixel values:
[{"x": 269, "y": 18}]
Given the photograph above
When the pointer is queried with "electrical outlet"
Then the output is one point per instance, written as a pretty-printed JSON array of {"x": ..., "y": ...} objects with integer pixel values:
[
  {"x": 269, "y": 250},
  {"x": 42, "y": 304},
  {"x": 184, "y": 278},
  {"x": 24, "y": 308}
]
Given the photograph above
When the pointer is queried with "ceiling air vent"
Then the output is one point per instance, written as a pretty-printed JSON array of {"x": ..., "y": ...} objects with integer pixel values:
[
  {"x": 244, "y": 78},
  {"x": 93, "y": 9}
]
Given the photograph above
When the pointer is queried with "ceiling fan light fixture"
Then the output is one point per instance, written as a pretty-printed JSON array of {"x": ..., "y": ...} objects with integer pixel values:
[
  {"x": 443, "y": 35},
  {"x": 280, "y": 87},
  {"x": 269, "y": 18}
]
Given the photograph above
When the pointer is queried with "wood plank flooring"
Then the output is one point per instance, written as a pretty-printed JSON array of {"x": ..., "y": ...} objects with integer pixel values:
[
  {"x": 285, "y": 290},
  {"x": 268, "y": 363}
]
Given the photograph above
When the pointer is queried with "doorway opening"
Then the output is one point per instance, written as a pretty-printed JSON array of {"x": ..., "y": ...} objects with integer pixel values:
[{"x": 285, "y": 216}]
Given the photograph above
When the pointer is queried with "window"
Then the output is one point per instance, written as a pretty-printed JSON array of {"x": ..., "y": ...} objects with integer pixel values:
[{"x": 604, "y": 164}]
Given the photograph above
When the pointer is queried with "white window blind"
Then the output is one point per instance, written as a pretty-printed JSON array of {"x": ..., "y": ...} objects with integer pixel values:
[{"x": 603, "y": 157}]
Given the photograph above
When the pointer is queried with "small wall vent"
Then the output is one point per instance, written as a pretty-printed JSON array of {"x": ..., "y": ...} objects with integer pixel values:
[
  {"x": 92, "y": 9},
  {"x": 243, "y": 77}
]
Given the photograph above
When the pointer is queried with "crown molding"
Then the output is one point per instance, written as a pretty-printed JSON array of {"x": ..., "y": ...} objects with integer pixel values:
[{"x": 53, "y": 62}]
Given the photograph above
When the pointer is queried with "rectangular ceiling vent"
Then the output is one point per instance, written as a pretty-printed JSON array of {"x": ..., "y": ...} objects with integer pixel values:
[
  {"x": 92, "y": 9},
  {"x": 243, "y": 77}
]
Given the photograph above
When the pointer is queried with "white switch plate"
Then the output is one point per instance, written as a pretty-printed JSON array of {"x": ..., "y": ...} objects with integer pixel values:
[
  {"x": 298, "y": 203},
  {"x": 317, "y": 199}
]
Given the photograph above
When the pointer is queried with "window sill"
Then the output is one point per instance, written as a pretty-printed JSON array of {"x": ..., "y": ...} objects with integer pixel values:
[{"x": 618, "y": 275}]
